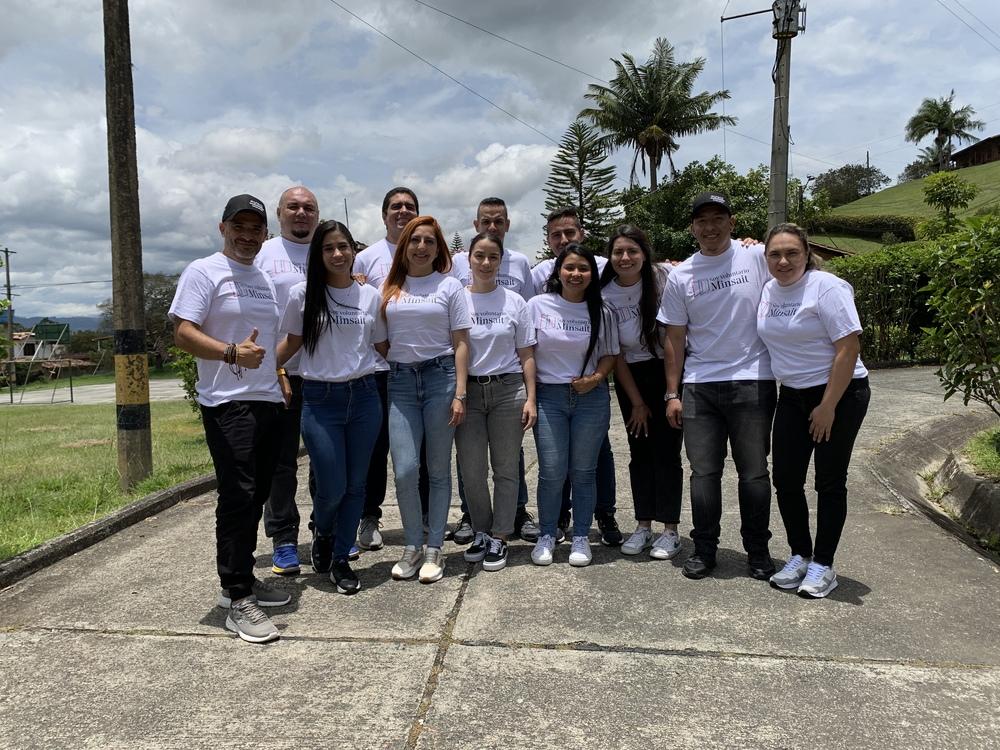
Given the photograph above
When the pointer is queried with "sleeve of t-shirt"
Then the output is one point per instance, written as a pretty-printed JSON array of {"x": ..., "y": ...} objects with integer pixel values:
[
  {"x": 673, "y": 311},
  {"x": 291, "y": 318},
  {"x": 524, "y": 329},
  {"x": 539, "y": 275},
  {"x": 380, "y": 332},
  {"x": 193, "y": 297},
  {"x": 836, "y": 309},
  {"x": 607, "y": 341},
  {"x": 457, "y": 270},
  {"x": 524, "y": 271},
  {"x": 361, "y": 264},
  {"x": 458, "y": 308}
]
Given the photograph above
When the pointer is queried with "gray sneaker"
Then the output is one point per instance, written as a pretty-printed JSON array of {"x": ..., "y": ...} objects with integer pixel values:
[
  {"x": 265, "y": 594},
  {"x": 790, "y": 576},
  {"x": 820, "y": 580},
  {"x": 369, "y": 537},
  {"x": 525, "y": 526},
  {"x": 463, "y": 533},
  {"x": 249, "y": 622}
]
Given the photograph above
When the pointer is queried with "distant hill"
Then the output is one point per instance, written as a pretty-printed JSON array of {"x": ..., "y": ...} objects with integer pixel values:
[
  {"x": 908, "y": 199},
  {"x": 75, "y": 324}
]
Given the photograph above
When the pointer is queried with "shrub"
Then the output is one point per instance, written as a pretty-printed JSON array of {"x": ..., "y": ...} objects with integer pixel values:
[
  {"x": 965, "y": 298},
  {"x": 888, "y": 291},
  {"x": 872, "y": 226},
  {"x": 186, "y": 368}
]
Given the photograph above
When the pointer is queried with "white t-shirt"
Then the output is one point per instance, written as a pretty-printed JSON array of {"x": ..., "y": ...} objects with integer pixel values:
[
  {"x": 541, "y": 272},
  {"x": 227, "y": 300},
  {"x": 500, "y": 326},
  {"x": 716, "y": 297},
  {"x": 375, "y": 261},
  {"x": 344, "y": 350},
  {"x": 624, "y": 303},
  {"x": 514, "y": 272},
  {"x": 562, "y": 330},
  {"x": 285, "y": 262},
  {"x": 800, "y": 322},
  {"x": 421, "y": 319}
]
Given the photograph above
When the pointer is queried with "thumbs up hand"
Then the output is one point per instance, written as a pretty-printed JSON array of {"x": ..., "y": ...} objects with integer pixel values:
[{"x": 248, "y": 354}]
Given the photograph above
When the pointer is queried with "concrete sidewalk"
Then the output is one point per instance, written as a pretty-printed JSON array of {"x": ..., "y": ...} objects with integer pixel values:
[{"x": 121, "y": 646}]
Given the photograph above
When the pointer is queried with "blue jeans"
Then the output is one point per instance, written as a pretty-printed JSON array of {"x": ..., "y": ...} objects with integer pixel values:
[
  {"x": 340, "y": 424},
  {"x": 420, "y": 396},
  {"x": 568, "y": 437},
  {"x": 739, "y": 412}
]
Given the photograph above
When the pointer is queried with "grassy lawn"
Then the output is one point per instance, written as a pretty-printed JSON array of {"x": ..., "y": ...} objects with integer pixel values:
[
  {"x": 101, "y": 378},
  {"x": 983, "y": 452},
  {"x": 59, "y": 466},
  {"x": 854, "y": 245}
]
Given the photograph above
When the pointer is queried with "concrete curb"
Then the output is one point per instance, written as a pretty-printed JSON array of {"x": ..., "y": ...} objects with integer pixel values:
[
  {"x": 23, "y": 565},
  {"x": 899, "y": 466},
  {"x": 976, "y": 501}
]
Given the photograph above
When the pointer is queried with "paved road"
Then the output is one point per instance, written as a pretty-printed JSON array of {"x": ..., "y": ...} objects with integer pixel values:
[
  {"x": 120, "y": 646},
  {"x": 159, "y": 390}
]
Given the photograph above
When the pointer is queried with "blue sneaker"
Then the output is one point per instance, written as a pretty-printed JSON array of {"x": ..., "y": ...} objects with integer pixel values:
[
  {"x": 355, "y": 553},
  {"x": 285, "y": 560}
]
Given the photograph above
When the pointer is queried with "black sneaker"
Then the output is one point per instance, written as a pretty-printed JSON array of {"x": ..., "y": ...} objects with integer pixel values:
[
  {"x": 525, "y": 526},
  {"x": 345, "y": 578},
  {"x": 562, "y": 526},
  {"x": 760, "y": 566},
  {"x": 463, "y": 533},
  {"x": 698, "y": 566},
  {"x": 321, "y": 553},
  {"x": 496, "y": 555},
  {"x": 477, "y": 550},
  {"x": 611, "y": 535}
]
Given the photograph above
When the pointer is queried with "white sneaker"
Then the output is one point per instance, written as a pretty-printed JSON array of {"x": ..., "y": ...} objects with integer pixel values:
[
  {"x": 666, "y": 546},
  {"x": 579, "y": 553},
  {"x": 820, "y": 580},
  {"x": 542, "y": 553},
  {"x": 408, "y": 564},
  {"x": 641, "y": 538},
  {"x": 433, "y": 568},
  {"x": 790, "y": 576}
]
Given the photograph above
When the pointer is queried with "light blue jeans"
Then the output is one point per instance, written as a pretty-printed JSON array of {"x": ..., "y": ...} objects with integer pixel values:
[
  {"x": 420, "y": 396},
  {"x": 340, "y": 423},
  {"x": 568, "y": 437}
]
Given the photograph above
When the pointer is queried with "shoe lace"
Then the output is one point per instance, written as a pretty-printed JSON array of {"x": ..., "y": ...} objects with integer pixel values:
[
  {"x": 495, "y": 545},
  {"x": 250, "y": 610},
  {"x": 794, "y": 562},
  {"x": 580, "y": 544},
  {"x": 433, "y": 556},
  {"x": 482, "y": 539},
  {"x": 664, "y": 540},
  {"x": 815, "y": 572},
  {"x": 548, "y": 541}
]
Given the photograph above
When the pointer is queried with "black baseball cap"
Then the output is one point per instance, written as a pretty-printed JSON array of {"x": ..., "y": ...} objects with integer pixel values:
[
  {"x": 244, "y": 203},
  {"x": 710, "y": 199}
]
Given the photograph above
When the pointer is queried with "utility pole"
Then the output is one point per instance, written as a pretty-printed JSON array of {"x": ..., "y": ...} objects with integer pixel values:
[
  {"x": 347, "y": 216},
  {"x": 786, "y": 27},
  {"x": 11, "y": 367},
  {"x": 135, "y": 451}
]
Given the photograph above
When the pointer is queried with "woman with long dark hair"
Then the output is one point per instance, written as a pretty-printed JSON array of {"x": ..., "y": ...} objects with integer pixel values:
[
  {"x": 428, "y": 322},
  {"x": 337, "y": 324},
  {"x": 577, "y": 344},
  {"x": 809, "y": 323},
  {"x": 632, "y": 285}
]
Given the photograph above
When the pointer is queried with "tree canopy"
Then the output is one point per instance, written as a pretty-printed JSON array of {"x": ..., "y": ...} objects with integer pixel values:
[
  {"x": 850, "y": 182},
  {"x": 938, "y": 117}
]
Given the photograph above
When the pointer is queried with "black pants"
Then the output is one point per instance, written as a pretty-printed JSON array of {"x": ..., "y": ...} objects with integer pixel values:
[
  {"x": 243, "y": 438},
  {"x": 281, "y": 514},
  {"x": 654, "y": 468},
  {"x": 378, "y": 468},
  {"x": 793, "y": 446}
]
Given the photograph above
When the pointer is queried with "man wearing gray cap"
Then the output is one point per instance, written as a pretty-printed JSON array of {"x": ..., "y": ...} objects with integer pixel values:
[
  {"x": 225, "y": 313},
  {"x": 709, "y": 308}
]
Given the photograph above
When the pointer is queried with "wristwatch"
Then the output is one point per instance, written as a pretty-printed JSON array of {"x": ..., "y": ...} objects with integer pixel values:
[
  {"x": 671, "y": 396},
  {"x": 462, "y": 397}
]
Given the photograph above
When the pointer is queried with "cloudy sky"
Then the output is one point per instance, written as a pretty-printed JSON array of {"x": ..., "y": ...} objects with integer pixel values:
[{"x": 253, "y": 96}]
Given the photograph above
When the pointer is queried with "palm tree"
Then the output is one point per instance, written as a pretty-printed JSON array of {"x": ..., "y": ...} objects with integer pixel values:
[
  {"x": 648, "y": 107},
  {"x": 940, "y": 118}
]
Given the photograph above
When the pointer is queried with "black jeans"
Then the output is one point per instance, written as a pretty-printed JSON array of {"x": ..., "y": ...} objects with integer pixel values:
[
  {"x": 281, "y": 514},
  {"x": 654, "y": 468},
  {"x": 244, "y": 439},
  {"x": 793, "y": 447},
  {"x": 378, "y": 467}
]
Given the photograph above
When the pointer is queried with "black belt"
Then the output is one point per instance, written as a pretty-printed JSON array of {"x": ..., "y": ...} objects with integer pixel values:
[{"x": 484, "y": 379}]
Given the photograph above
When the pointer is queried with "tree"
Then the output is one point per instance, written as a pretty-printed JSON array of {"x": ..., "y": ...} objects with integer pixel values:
[
  {"x": 917, "y": 169},
  {"x": 850, "y": 182},
  {"x": 938, "y": 117},
  {"x": 648, "y": 107},
  {"x": 158, "y": 292},
  {"x": 456, "y": 244},
  {"x": 947, "y": 192}
]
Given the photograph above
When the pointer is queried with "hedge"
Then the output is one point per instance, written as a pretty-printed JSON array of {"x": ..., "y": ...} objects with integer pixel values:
[{"x": 874, "y": 226}]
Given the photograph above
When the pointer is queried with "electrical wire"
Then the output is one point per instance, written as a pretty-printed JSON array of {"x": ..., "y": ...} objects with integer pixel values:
[
  {"x": 981, "y": 21},
  {"x": 967, "y": 24},
  {"x": 63, "y": 283}
]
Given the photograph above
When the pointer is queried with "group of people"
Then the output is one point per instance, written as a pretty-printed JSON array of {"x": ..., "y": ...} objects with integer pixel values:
[{"x": 403, "y": 350}]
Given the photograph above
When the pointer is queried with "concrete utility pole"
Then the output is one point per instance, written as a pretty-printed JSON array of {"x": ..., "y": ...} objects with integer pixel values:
[
  {"x": 135, "y": 450},
  {"x": 11, "y": 367},
  {"x": 786, "y": 28}
]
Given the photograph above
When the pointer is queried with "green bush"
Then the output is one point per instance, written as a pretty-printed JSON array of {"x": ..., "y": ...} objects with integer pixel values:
[
  {"x": 965, "y": 298},
  {"x": 186, "y": 368},
  {"x": 872, "y": 226},
  {"x": 888, "y": 291}
]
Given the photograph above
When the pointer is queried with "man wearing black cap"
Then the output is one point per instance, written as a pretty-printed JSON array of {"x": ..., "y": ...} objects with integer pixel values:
[
  {"x": 225, "y": 313},
  {"x": 709, "y": 307}
]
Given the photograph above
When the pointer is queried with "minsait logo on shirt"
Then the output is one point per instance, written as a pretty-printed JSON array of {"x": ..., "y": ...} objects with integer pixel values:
[
  {"x": 726, "y": 280},
  {"x": 775, "y": 310},
  {"x": 555, "y": 323},
  {"x": 242, "y": 289}
]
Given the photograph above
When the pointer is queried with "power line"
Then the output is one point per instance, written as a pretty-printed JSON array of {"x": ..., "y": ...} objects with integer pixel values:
[
  {"x": 511, "y": 41},
  {"x": 985, "y": 25},
  {"x": 968, "y": 25},
  {"x": 446, "y": 75},
  {"x": 64, "y": 283}
]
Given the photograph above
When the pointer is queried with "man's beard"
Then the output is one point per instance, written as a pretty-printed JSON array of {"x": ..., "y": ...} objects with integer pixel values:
[{"x": 300, "y": 234}]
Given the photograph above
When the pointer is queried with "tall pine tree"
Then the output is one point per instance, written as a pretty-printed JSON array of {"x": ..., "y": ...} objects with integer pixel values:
[{"x": 456, "y": 244}]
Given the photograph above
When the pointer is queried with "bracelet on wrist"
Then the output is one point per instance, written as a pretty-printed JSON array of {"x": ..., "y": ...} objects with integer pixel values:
[
  {"x": 670, "y": 396},
  {"x": 461, "y": 398}
]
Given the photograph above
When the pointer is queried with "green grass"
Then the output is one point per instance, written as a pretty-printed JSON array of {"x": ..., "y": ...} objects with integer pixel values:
[
  {"x": 101, "y": 378},
  {"x": 854, "y": 245},
  {"x": 983, "y": 452},
  {"x": 908, "y": 199},
  {"x": 59, "y": 466}
]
